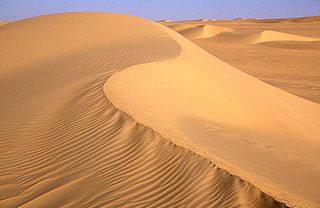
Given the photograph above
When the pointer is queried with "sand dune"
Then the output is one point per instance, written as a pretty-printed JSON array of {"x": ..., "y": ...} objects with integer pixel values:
[
  {"x": 293, "y": 45},
  {"x": 288, "y": 57},
  {"x": 268, "y": 35},
  {"x": 203, "y": 31},
  {"x": 237, "y": 37},
  {"x": 230, "y": 35},
  {"x": 181, "y": 27},
  {"x": 64, "y": 144},
  {"x": 281, "y": 20},
  {"x": 258, "y": 132},
  {"x": 3, "y": 22},
  {"x": 245, "y": 19},
  {"x": 306, "y": 19},
  {"x": 295, "y": 20},
  {"x": 165, "y": 21},
  {"x": 224, "y": 34}
]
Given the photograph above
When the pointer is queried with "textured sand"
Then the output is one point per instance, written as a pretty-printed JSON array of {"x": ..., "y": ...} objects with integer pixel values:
[
  {"x": 3, "y": 22},
  {"x": 283, "y": 52},
  {"x": 63, "y": 144},
  {"x": 249, "y": 128}
]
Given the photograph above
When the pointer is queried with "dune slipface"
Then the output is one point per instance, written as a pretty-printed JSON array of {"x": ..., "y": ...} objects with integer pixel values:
[
  {"x": 64, "y": 144},
  {"x": 265, "y": 135}
]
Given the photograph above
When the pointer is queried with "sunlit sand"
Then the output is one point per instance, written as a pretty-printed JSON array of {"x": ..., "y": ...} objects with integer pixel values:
[{"x": 110, "y": 110}]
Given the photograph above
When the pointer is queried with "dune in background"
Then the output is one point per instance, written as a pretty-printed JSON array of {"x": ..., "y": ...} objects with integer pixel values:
[
  {"x": 64, "y": 144},
  {"x": 283, "y": 52},
  {"x": 2, "y": 23},
  {"x": 201, "y": 31}
]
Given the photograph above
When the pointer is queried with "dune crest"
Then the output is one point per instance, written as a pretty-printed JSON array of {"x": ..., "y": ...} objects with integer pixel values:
[
  {"x": 307, "y": 19},
  {"x": 64, "y": 144},
  {"x": 229, "y": 35},
  {"x": 181, "y": 27},
  {"x": 203, "y": 31},
  {"x": 249, "y": 128},
  {"x": 165, "y": 21},
  {"x": 3, "y": 22},
  {"x": 290, "y": 65},
  {"x": 267, "y": 36}
]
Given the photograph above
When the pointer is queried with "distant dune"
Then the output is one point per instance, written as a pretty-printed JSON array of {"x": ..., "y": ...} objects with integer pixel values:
[
  {"x": 241, "y": 37},
  {"x": 110, "y": 110},
  {"x": 285, "y": 53},
  {"x": 281, "y": 20},
  {"x": 268, "y": 35},
  {"x": 165, "y": 21},
  {"x": 3, "y": 22},
  {"x": 202, "y": 31},
  {"x": 296, "y": 20}
]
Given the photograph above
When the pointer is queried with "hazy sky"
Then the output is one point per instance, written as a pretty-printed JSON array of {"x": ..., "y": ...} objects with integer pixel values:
[{"x": 164, "y": 9}]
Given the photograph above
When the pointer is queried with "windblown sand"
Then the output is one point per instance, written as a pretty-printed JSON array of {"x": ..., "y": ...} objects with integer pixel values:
[
  {"x": 108, "y": 110},
  {"x": 282, "y": 52}
]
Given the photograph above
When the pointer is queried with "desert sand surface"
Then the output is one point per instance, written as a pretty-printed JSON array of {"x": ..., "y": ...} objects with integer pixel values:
[
  {"x": 109, "y": 110},
  {"x": 3, "y": 22},
  {"x": 283, "y": 52}
]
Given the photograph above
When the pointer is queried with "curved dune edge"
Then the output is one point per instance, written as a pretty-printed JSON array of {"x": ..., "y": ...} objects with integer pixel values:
[
  {"x": 68, "y": 146},
  {"x": 123, "y": 163},
  {"x": 238, "y": 37},
  {"x": 204, "y": 31},
  {"x": 268, "y": 35},
  {"x": 64, "y": 144},
  {"x": 270, "y": 141}
]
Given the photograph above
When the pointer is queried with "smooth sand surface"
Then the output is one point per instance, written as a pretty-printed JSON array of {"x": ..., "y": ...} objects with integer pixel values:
[
  {"x": 265, "y": 135},
  {"x": 283, "y": 52},
  {"x": 64, "y": 144},
  {"x": 201, "y": 31},
  {"x": 3, "y": 22}
]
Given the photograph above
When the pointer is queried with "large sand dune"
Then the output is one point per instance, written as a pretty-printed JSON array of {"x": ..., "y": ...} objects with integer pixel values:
[
  {"x": 263, "y": 134},
  {"x": 64, "y": 144}
]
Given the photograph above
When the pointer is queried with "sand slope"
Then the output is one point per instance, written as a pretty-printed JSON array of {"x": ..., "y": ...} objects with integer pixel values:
[
  {"x": 63, "y": 144},
  {"x": 228, "y": 35},
  {"x": 288, "y": 57},
  {"x": 203, "y": 31},
  {"x": 268, "y": 35},
  {"x": 281, "y": 20},
  {"x": 295, "y": 20},
  {"x": 254, "y": 130},
  {"x": 2, "y": 23}
]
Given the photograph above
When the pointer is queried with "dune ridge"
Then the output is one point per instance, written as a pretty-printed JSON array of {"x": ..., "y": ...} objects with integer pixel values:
[
  {"x": 64, "y": 144},
  {"x": 266, "y": 136},
  {"x": 268, "y": 35},
  {"x": 306, "y": 19},
  {"x": 291, "y": 65},
  {"x": 203, "y": 31},
  {"x": 2, "y": 23},
  {"x": 118, "y": 161},
  {"x": 294, "y": 20},
  {"x": 229, "y": 35}
]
